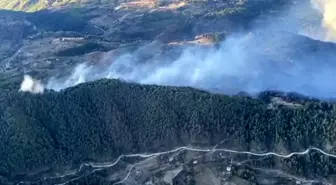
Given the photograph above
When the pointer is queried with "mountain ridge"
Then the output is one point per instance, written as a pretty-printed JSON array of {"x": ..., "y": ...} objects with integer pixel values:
[{"x": 124, "y": 115}]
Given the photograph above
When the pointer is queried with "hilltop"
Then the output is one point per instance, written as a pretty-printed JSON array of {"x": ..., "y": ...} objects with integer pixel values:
[{"x": 98, "y": 121}]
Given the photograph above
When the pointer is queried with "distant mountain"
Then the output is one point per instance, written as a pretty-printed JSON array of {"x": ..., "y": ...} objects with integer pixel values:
[{"x": 61, "y": 37}]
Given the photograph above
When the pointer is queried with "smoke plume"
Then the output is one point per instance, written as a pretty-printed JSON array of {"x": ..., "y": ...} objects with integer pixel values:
[
  {"x": 269, "y": 57},
  {"x": 31, "y": 85},
  {"x": 328, "y": 10}
]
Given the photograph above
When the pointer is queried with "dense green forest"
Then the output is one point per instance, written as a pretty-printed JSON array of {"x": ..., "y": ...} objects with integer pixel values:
[{"x": 103, "y": 119}]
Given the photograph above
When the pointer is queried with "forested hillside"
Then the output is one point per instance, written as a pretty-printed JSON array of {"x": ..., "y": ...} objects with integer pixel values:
[{"x": 101, "y": 120}]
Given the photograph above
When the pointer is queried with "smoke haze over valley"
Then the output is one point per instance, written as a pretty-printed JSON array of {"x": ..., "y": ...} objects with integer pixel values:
[{"x": 268, "y": 56}]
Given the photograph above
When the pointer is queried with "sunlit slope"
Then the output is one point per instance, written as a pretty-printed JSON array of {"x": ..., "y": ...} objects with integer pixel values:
[{"x": 33, "y": 5}]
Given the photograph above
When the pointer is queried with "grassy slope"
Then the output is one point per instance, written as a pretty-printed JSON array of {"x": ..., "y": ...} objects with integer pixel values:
[{"x": 29, "y": 5}]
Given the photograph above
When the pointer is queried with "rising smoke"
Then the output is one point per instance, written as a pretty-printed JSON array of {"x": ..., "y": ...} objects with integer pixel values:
[
  {"x": 261, "y": 59},
  {"x": 31, "y": 85},
  {"x": 328, "y": 9}
]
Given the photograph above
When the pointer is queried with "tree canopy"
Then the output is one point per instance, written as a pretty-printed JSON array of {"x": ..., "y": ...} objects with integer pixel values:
[{"x": 106, "y": 118}]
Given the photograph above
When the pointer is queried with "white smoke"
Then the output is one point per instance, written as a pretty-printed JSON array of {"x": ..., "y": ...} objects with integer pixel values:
[
  {"x": 235, "y": 66},
  {"x": 328, "y": 10},
  {"x": 244, "y": 62},
  {"x": 78, "y": 76},
  {"x": 31, "y": 85}
]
